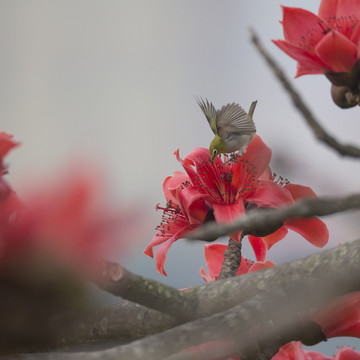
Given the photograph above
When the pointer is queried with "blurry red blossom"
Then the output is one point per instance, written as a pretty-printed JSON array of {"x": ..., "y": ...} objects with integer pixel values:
[
  {"x": 214, "y": 258},
  {"x": 224, "y": 190},
  {"x": 327, "y": 42},
  {"x": 295, "y": 351},
  {"x": 341, "y": 317},
  {"x": 66, "y": 221},
  {"x": 6, "y": 144}
]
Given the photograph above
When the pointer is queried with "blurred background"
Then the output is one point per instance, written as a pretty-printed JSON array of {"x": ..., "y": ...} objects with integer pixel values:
[{"x": 113, "y": 82}]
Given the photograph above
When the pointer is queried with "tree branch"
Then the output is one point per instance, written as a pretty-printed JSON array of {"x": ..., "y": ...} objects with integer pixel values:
[
  {"x": 263, "y": 220},
  {"x": 275, "y": 294},
  {"x": 150, "y": 293},
  {"x": 123, "y": 320},
  {"x": 318, "y": 130}
]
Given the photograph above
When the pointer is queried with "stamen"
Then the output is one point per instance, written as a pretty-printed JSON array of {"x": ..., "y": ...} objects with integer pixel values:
[{"x": 280, "y": 180}]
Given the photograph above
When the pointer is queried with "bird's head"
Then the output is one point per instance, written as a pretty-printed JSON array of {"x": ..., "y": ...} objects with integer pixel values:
[{"x": 217, "y": 147}]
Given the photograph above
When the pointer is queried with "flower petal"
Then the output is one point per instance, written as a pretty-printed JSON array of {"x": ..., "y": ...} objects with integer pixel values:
[
  {"x": 327, "y": 8},
  {"x": 296, "y": 24},
  {"x": 312, "y": 229},
  {"x": 228, "y": 213},
  {"x": 341, "y": 317},
  {"x": 6, "y": 144},
  {"x": 260, "y": 265},
  {"x": 348, "y": 8},
  {"x": 355, "y": 37},
  {"x": 347, "y": 353},
  {"x": 276, "y": 236},
  {"x": 269, "y": 193},
  {"x": 337, "y": 51},
  {"x": 307, "y": 63},
  {"x": 192, "y": 204},
  {"x": 259, "y": 247},
  {"x": 162, "y": 251},
  {"x": 258, "y": 154},
  {"x": 300, "y": 191},
  {"x": 214, "y": 258},
  {"x": 306, "y": 69},
  {"x": 172, "y": 182},
  {"x": 206, "y": 276}
]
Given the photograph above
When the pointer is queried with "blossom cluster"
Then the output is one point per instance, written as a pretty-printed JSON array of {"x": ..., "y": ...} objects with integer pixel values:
[
  {"x": 65, "y": 223},
  {"x": 224, "y": 190}
]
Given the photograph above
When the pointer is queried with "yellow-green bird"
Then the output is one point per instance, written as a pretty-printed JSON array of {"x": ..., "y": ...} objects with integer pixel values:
[{"x": 233, "y": 127}]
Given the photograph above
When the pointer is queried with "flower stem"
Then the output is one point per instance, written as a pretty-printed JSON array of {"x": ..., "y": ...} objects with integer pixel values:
[{"x": 232, "y": 259}]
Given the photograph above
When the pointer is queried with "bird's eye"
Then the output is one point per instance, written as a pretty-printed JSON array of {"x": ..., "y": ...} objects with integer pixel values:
[{"x": 215, "y": 152}]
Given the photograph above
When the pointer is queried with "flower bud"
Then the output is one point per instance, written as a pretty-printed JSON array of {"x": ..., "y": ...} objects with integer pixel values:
[{"x": 344, "y": 97}]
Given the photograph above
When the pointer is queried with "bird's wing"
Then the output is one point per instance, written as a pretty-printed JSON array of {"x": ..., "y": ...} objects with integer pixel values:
[
  {"x": 232, "y": 118},
  {"x": 210, "y": 112}
]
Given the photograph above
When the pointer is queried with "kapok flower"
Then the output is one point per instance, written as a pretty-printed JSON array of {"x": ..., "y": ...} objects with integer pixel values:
[
  {"x": 6, "y": 144},
  {"x": 235, "y": 184},
  {"x": 232, "y": 182},
  {"x": 295, "y": 351},
  {"x": 222, "y": 190},
  {"x": 65, "y": 223},
  {"x": 323, "y": 43},
  {"x": 183, "y": 212},
  {"x": 214, "y": 258},
  {"x": 341, "y": 317}
]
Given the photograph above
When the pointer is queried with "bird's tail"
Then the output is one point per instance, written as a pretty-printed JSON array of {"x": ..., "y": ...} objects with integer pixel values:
[{"x": 252, "y": 108}]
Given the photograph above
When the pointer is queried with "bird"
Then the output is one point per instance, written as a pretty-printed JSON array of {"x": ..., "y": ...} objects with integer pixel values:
[{"x": 232, "y": 126}]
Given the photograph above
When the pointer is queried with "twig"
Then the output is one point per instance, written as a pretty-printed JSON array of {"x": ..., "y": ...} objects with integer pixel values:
[
  {"x": 150, "y": 293},
  {"x": 263, "y": 220},
  {"x": 319, "y": 131}
]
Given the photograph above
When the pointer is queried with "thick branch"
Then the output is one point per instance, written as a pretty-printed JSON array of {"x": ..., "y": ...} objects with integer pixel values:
[
  {"x": 318, "y": 130},
  {"x": 124, "y": 320},
  {"x": 150, "y": 293},
  {"x": 276, "y": 293},
  {"x": 263, "y": 220}
]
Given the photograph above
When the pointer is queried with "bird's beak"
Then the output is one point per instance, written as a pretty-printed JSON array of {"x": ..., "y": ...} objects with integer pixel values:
[{"x": 212, "y": 159}]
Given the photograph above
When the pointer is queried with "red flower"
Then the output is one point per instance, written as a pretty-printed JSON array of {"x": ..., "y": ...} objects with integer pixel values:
[
  {"x": 184, "y": 211},
  {"x": 230, "y": 184},
  {"x": 294, "y": 351},
  {"x": 214, "y": 258},
  {"x": 66, "y": 223},
  {"x": 222, "y": 190},
  {"x": 6, "y": 144},
  {"x": 341, "y": 317},
  {"x": 325, "y": 43}
]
